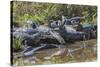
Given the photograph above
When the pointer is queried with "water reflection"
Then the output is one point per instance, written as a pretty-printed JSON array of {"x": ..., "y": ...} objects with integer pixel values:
[{"x": 56, "y": 55}]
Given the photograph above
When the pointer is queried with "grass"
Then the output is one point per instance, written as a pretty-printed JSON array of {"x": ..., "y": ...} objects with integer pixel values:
[{"x": 17, "y": 44}]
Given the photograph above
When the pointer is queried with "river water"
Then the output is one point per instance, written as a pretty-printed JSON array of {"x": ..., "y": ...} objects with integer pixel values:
[{"x": 58, "y": 56}]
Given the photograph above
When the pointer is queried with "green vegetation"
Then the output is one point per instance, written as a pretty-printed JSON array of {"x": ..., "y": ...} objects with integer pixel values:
[
  {"x": 17, "y": 44},
  {"x": 44, "y": 12}
]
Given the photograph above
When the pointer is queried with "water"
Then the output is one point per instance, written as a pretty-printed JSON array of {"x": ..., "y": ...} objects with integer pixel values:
[{"x": 50, "y": 56}]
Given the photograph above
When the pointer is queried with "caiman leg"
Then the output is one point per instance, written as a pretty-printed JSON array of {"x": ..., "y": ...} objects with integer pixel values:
[
  {"x": 58, "y": 37},
  {"x": 33, "y": 50}
]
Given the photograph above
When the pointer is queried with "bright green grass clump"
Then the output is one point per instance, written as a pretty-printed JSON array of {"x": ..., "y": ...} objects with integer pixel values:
[{"x": 17, "y": 44}]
